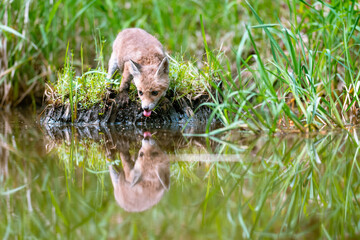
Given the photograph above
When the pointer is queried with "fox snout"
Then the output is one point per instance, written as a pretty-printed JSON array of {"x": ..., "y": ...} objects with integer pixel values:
[
  {"x": 148, "y": 103},
  {"x": 148, "y": 142},
  {"x": 146, "y": 106}
]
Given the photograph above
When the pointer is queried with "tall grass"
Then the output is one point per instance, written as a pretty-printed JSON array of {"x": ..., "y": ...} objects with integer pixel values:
[
  {"x": 289, "y": 66},
  {"x": 34, "y": 35},
  {"x": 310, "y": 79}
]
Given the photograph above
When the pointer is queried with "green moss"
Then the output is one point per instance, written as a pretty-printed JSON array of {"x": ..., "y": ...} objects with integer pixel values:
[
  {"x": 84, "y": 90},
  {"x": 186, "y": 80}
]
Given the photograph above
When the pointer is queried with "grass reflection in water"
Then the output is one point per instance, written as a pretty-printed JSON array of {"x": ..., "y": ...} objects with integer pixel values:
[{"x": 226, "y": 187}]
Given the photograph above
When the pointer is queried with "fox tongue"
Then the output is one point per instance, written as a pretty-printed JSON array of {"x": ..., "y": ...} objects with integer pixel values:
[
  {"x": 147, "y": 113},
  {"x": 147, "y": 134}
]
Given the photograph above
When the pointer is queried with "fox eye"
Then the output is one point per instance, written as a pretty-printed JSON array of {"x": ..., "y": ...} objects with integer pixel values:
[
  {"x": 141, "y": 154},
  {"x": 141, "y": 93},
  {"x": 154, "y": 93}
]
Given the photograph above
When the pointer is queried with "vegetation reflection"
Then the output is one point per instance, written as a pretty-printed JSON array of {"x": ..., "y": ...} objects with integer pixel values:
[{"x": 225, "y": 187}]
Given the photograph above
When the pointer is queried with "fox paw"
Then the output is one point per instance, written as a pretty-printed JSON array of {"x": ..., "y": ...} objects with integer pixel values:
[
  {"x": 166, "y": 104},
  {"x": 122, "y": 99}
]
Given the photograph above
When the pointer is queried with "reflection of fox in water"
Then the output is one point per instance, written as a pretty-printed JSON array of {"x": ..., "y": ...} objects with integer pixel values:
[
  {"x": 140, "y": 57},
  {"x": 140, "y": 185}
]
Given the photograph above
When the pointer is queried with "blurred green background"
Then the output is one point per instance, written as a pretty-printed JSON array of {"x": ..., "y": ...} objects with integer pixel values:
[{"x": 34, "y": 34}]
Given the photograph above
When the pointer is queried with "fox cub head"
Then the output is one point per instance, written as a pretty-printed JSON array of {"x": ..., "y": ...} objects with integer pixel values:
[{"x": 151, "y": 82}]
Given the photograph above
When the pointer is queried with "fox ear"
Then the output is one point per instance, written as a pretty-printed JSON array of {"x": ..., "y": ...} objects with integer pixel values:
[
  {"x": 137, "y": 178},
  {"x": 164, "y": 178},
  {"x": 135, "y": 68},
  {"x": 163, "y": 67}
]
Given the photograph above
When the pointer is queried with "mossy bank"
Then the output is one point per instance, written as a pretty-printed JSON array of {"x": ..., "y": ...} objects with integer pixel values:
[
  {"x": 182, "y": 111},
  {"x": 91, "y": 98}
]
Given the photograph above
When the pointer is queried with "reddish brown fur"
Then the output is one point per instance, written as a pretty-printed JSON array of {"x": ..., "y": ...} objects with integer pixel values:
[
  {"x": 140, "y": 56},
  {"x": 141, "y": 186}
]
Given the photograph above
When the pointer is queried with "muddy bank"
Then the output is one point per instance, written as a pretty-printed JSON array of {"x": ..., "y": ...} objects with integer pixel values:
[{"x": 109, "y": 111}]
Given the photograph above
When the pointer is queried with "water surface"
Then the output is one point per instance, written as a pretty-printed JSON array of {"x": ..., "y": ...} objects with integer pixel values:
[{"x": 109, "y": 182}]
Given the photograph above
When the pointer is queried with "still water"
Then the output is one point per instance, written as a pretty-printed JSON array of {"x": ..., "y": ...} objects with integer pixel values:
[{"x": 115, "y": 183}]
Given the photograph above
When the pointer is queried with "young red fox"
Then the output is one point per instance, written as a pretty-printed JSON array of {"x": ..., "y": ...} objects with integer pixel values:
[
  {"x": 141, "y": 184},
  {"x": 141, "y": 57}
]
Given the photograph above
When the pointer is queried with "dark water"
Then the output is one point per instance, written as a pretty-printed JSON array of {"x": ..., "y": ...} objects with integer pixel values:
[{"x": 114, "y": 183}]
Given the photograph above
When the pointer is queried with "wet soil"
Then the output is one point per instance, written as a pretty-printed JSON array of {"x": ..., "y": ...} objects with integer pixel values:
[{"x": 109, "y": 111}]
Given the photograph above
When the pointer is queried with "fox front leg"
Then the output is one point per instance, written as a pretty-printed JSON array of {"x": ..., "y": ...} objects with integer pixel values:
[
  {"x": 113, "y": 67},
  {"x": 123, "y": 97}
]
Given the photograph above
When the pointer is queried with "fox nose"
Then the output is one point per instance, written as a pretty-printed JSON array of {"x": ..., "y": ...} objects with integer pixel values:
[{"x": 146, "y": 108}]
